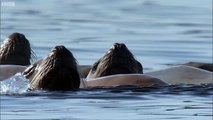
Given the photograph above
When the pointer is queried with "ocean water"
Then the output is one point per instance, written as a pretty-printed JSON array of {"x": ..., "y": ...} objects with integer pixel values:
[{"x": 158, "y": 32}]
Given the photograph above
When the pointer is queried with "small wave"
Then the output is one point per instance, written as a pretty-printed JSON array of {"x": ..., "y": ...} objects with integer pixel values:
[{"x": 17, "y": 84}]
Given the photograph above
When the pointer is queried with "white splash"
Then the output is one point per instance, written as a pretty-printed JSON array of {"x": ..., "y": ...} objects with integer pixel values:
[{"x": 15, "y": 85}]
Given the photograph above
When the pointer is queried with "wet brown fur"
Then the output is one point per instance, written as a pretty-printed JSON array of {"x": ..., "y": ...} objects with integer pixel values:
[
  {"x": 118, "y": 60},
  {"x": 15, "y": 50},
  {"x": 58, "y": 71}
]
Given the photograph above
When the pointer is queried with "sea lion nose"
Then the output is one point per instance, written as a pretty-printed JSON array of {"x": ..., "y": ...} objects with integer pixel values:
[
  {"x": 115, "y": 44},
  {"x": 59, "y": 47},
  {"x": 119, "y": 45}
]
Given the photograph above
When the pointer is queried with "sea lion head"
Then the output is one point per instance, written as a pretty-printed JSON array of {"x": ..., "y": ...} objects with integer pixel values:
[
  {"x": 15, "y": 50},
  {"x": 117, "y": 60},
  {"x": 58, "y": 71}
]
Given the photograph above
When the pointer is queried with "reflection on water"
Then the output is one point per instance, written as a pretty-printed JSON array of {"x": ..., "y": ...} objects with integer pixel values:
[
  {"x": 158, "y": 32},
  {"x": 125, "y": 102}
]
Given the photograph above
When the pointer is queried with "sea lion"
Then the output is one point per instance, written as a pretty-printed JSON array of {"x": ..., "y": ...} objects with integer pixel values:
[
  {"x": 15, "y": 50},
  {"x": 117, "y": 60},
  {"x": 7, "y": 71},
  {"x": 124, "y": 79},
  {"x": 205, "y": 66},
  {"x": 57, "y": 71},
  {"x": 183, "y": 74}
]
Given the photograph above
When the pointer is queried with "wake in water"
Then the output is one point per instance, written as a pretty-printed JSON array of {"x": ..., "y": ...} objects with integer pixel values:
[{"x": 16, "y": 84}]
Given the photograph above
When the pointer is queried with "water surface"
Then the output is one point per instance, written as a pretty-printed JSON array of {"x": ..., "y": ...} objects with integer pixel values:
[{"x": 158, "y": 32}]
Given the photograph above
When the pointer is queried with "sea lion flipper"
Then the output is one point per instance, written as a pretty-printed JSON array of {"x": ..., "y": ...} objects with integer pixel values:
[{"x": 30, "y": 70}]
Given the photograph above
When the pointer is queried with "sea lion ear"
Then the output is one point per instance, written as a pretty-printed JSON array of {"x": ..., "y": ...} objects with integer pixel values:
[{"x": 140, "y": 67}]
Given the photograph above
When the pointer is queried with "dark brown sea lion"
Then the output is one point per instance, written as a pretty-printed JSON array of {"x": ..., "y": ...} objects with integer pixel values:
[
  {"x": 205, "y": 66},
  {"x": 58, "y": 71},
  {"x": 117, "y": 60},
  {"x": 15, "y": 50}
]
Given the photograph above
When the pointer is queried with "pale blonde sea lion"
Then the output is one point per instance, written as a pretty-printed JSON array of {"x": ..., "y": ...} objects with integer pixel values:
[
  {"x": 7, "y": 71},
  {"x": 124, "y": 79},
  {"x": 183, "y": 74},
  {"x": 173, "y": 75}
]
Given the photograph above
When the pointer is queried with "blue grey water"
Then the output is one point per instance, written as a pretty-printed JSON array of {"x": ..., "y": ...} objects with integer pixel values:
[{"x": 158, "y": 32}]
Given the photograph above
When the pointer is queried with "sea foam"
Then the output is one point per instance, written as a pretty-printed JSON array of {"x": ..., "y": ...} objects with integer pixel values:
[{"x": 15, "y": 85}]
